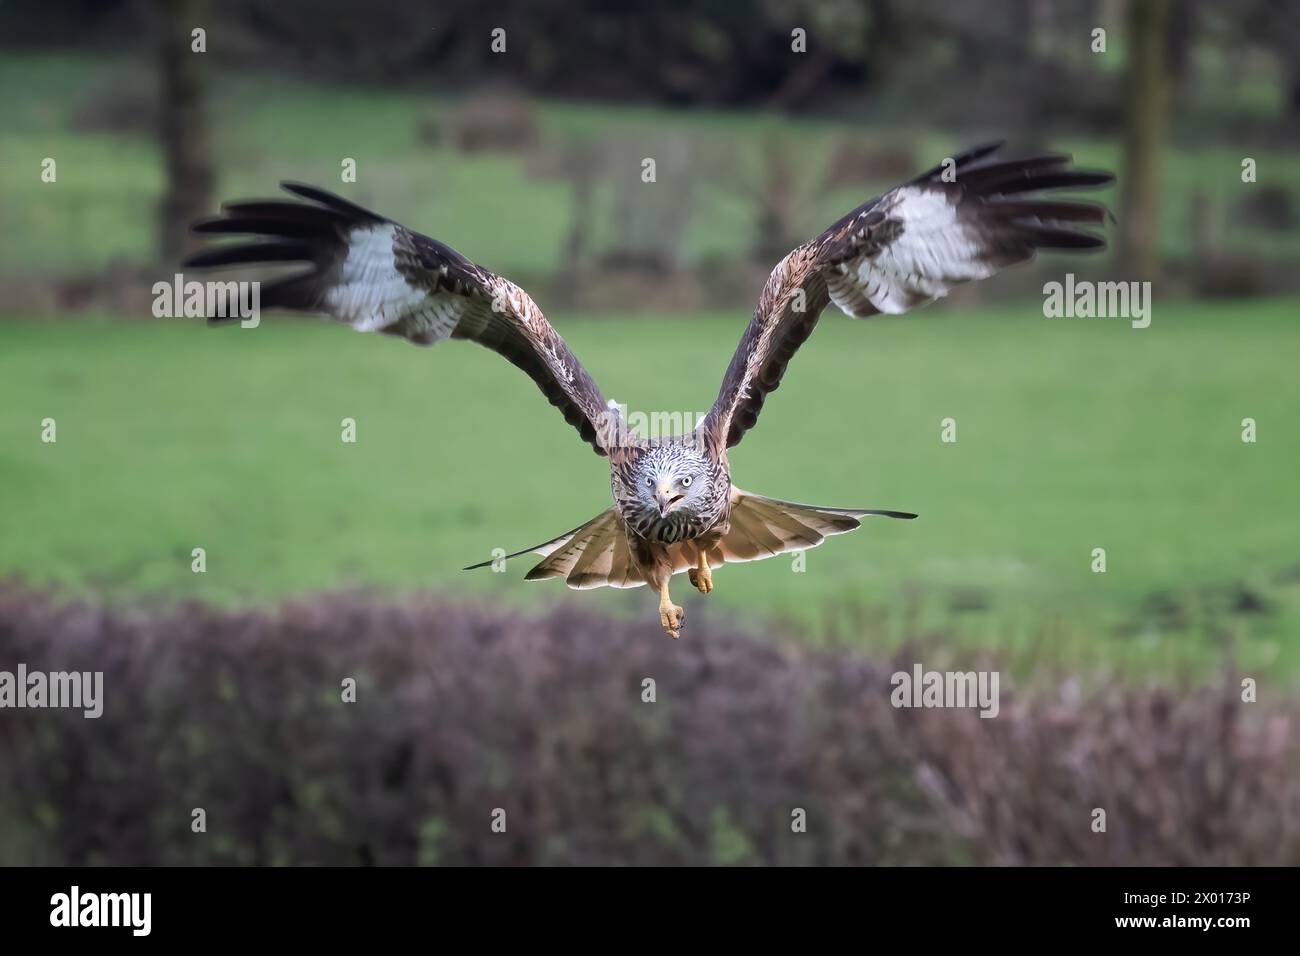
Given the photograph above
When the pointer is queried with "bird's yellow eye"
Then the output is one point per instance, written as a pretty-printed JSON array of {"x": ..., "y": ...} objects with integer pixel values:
[{"x": 686, "y": 482}]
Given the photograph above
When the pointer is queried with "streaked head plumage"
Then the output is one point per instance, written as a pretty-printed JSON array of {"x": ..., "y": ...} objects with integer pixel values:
[{"x": 670, "y": 477}]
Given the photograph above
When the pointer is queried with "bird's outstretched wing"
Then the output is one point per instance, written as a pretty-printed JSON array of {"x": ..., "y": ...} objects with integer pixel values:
[
  {"x": 378, "y": 276},
  {"x": 967, "y": 218}
]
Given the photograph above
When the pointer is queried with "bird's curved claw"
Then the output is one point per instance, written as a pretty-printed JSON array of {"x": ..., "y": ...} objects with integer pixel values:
[
  {"x": 702, "y": 578},
  {"x": 671, "y": 618}
]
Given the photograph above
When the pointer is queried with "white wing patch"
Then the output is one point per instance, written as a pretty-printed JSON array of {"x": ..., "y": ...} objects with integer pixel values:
[
  {"x": 371, "y": 294},
  {"x": 934, "y": 251}
]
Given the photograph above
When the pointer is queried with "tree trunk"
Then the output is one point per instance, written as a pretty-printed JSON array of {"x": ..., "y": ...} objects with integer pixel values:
[
  {"x": 1145, "y": 110},
  {"x": 183, "y": 124}
]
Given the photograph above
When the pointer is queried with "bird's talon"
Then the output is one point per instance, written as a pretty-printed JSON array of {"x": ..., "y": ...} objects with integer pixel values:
[
  {"x": 671, "y": 618},
  {"x": 701, "y": 578}
]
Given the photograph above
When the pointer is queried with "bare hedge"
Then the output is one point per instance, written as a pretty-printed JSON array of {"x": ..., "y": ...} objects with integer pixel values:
[{"x": 464, "y": 710}]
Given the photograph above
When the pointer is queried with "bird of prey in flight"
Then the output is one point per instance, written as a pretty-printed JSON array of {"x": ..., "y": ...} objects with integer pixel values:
[{"x": 675, "y": 507}]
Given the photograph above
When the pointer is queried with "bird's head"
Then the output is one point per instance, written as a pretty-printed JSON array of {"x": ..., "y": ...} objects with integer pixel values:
[{"x": 669, "y": 478}]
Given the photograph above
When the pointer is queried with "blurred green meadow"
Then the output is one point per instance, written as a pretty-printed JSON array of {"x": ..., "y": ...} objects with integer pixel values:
[
  {"x": 511, "y": 212},
  {"x": 1073, "y": 434}
]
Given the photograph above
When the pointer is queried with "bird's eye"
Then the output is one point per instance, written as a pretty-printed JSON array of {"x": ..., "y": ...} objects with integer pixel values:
[
  {"x": 649, "y": 482},
  {"x": 686, "y": 482}
]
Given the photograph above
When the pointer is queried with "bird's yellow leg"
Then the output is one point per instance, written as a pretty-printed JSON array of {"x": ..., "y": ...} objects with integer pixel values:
[
  {"x": 670, "y": 615},
  {"x": 701, "y": 576}
]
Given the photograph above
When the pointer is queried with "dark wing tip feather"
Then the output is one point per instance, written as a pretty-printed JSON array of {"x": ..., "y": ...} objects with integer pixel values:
[
  {"x": 285, "y": 250},
  {"x": 1045, "y": 210},
  {"x": 979, "y": 151},
  {"x": 1007, "y": 192},
  {"x": 1031, "y": 175},
  {"x": 332, "y": 201},
  {"x": 1046, "y": 237},
  {"x": 287, "y": 227},
  {"x": 207, "y": 224},
  {"x": 1070, "y": 179},
  {"x": 285, "y": 210},
  {"x": 962, "y": 160}
]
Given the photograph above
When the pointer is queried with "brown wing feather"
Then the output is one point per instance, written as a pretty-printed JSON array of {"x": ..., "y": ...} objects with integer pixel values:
[
  {"x": 376, "y": 275},
  {"x": 901, "y": 250}
]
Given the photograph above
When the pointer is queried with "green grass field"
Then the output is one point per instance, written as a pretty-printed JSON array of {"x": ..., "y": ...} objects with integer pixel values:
[{"x": 1072, "y": 435}]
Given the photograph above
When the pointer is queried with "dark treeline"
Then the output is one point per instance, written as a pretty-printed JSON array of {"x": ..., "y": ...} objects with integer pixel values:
[{"x": 856, "y": 54}]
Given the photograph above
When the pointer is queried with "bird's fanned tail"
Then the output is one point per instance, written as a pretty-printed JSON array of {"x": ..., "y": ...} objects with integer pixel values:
[{"x": 596, "y": 554}]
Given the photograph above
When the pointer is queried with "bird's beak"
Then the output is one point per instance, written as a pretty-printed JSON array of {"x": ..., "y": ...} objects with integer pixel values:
[{"x": 665, "y": 498}]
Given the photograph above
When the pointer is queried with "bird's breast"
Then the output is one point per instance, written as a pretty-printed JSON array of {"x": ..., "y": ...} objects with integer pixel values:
[{"x": 676, "y": 525}]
